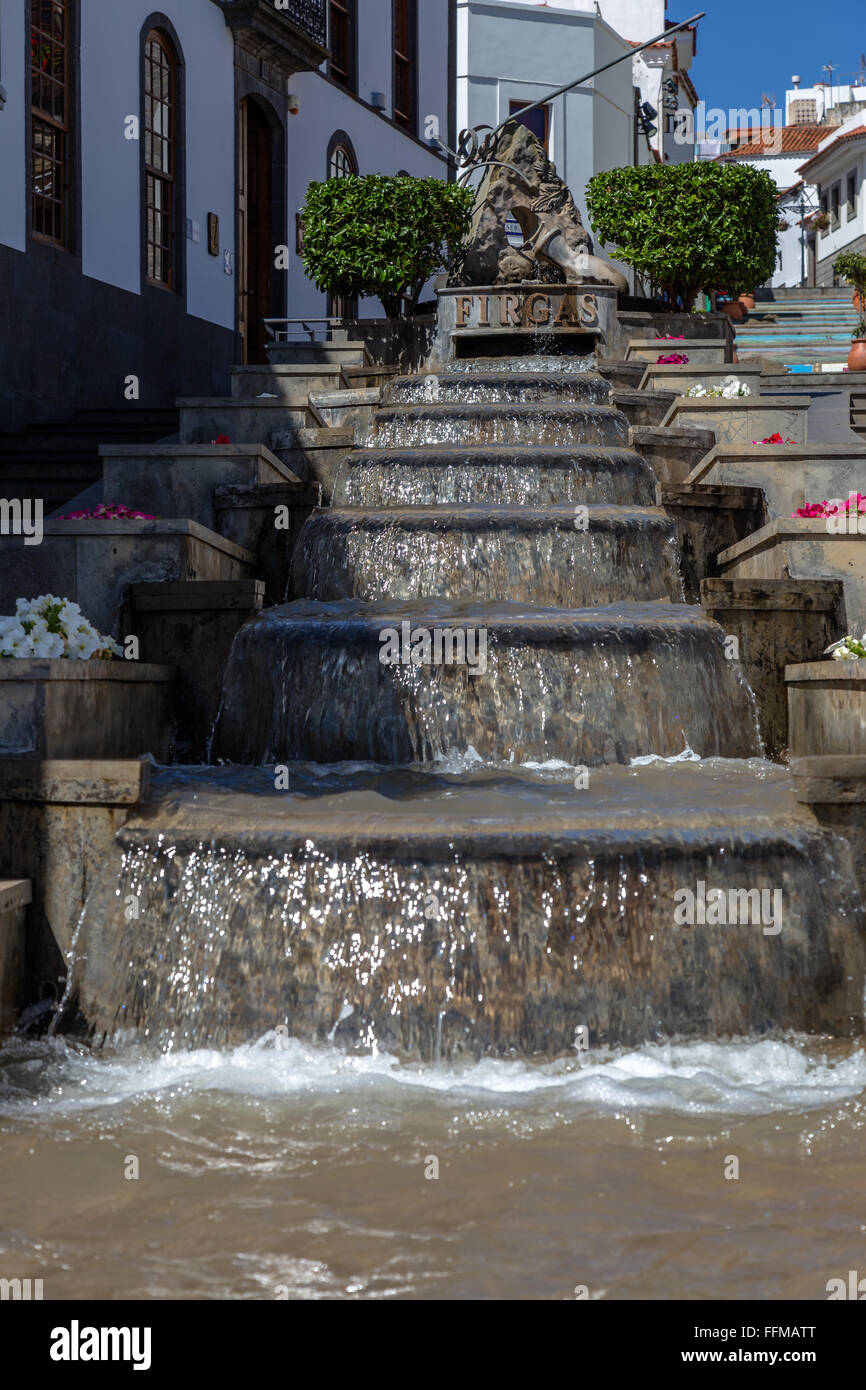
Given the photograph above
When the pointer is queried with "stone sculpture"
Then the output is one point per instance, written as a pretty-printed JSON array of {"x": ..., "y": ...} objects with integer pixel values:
[{"x": 521, "y": 182}]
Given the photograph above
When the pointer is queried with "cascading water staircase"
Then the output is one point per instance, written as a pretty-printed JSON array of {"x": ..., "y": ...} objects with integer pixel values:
[{"x": 444, "y": 856}]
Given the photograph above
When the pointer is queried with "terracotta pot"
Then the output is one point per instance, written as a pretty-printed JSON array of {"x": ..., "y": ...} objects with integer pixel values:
[
  {"x": 734, "y": 310},
  {"x": 857, "y": 355},
  {"x": 748, "y": 301}
]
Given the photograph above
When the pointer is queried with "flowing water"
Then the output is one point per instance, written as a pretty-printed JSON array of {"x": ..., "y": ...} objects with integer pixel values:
[
  {"x": 268, "y": 1172},
  {"x": 395, "y": 1002}
]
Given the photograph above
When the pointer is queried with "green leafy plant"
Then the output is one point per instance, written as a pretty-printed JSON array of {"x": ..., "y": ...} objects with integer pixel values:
[
  {"x": 688, "y": 227},
  {"x": 851, "y": 266},
  {"x": 383, "y": 235}
]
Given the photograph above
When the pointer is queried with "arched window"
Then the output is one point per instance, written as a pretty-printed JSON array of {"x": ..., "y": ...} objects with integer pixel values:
[
  {"x": 341, "y": 163},
  {"x": 160, "y": 141},
  {"x": 51, "y": 119}
]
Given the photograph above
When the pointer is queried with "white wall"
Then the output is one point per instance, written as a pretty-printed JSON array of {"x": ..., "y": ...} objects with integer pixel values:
[
  {"x": 380, "y": 146},
  {"x": 13, "y": 127},
  {"x": 110, "y": 90}
]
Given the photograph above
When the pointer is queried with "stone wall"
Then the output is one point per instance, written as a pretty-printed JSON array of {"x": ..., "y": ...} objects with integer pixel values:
[{"x": 75, "y": 341}]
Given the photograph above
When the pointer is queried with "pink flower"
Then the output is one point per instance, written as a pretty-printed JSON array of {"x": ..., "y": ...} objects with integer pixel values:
[{"x": 109, "y": 511}]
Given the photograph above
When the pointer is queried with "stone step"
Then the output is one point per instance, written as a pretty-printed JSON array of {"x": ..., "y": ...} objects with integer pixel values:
[
  {"x": 179, "y": 480},
  {"x": 497, "y": 423},
  {"x": 478, "y": 387},
  {"x": 805, "y": 549},
  {"x": 440, "y": 474},
  {"x": 93, "y": 562},
  {"x": 789, "y": 475},
  {"x": 506, "y": 905},
  {"x": 509, "y": 680},
  {"x": 563, "y": 555}
]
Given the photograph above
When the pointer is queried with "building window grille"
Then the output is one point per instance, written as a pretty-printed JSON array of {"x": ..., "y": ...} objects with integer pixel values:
[
  {"x": 343, "y": 19},
  {"x": 50, "y": 119},
  {"x": 160, "y": 160},
  {"x": 405, "y": 62}
]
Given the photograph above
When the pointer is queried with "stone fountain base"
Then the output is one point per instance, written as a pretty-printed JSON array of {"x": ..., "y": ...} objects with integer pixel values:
[{"x": 480, "y": 914}]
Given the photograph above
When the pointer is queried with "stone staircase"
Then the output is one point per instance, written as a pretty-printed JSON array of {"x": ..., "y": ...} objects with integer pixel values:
[
  {"x": 57, "y": 461},
  {"x": 800, "y": 327}
]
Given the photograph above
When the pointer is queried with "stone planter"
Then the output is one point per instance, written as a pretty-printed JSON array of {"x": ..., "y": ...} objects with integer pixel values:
[
  {"x": 701, "y": 352},
  {"x": 58, "y": 826},
  {"x": 247, "y": 516},
  {"x": 192, "y": 624},
  {"x": 827, "y": 708},
  {"x": 93, "y": 562},
  {"x": 744, "y": 418},
  {"x": 289, "y": 382},
  {"x": 804, "y": 549},
  {"x": 85, "y": 709},
  {"x": 243, "y": 421},
  {"x": 179, "y": 480},
  {"x": 14, "y": 899},
  {"x": 776, "y": 622},
  {"x": 678, "y": 378},
  {"x": 673, "y": 454},
  {"x": 789, "y": 475},
  {"x": 635, "y": 324}
]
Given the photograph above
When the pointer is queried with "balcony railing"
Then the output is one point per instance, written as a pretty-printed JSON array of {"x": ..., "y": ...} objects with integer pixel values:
[
  {"x": 293, "y": 34},
  {"x": 309, "y": 15}
]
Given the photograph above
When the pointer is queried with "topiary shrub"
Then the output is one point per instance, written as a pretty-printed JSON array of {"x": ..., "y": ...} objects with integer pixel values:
[
  {"x": 688, "y": 227},
  {"x": 382, "y": 235}
]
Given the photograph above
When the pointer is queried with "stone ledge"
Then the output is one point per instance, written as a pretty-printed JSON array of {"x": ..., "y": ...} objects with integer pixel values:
[
  {"x": 850, "y": 673},
  {"x": 797, "y": 529},
  {"x": 195, "y": 595},
  {"x": 829, "y": 779},
  {"x": 15, "y": 893},
  {"x": 167, "y": 526},
  {"x": 34, "y": 668},
  {"x": 75, "y": 782},
  {"x": 790, "y": 595},
  {"x": 708, "y": 495}
]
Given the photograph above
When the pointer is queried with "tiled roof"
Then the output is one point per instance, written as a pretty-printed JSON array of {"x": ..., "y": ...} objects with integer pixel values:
[
  {"x": 858, "y": 134},
  {"x": 796, "y": 139}
]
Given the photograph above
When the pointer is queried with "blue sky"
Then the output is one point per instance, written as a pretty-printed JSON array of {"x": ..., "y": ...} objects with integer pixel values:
[{"x": 746, "y": 47}]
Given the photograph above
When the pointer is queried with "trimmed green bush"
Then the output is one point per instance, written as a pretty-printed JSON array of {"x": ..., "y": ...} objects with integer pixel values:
[
  {"x": 851, "y": 266},
  {"x": 382, "y": 235},
  {"x": 689, "y": 227}
]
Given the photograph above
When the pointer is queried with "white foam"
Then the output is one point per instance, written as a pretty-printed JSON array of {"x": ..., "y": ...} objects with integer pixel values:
[{"x": 698, "y": 1078}]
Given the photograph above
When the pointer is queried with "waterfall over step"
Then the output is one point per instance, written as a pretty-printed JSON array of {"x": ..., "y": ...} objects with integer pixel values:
[{"x": 467, "y": 777}]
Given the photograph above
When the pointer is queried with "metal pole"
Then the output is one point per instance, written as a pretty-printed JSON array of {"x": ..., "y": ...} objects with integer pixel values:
[
  {"x": 560, "y": 91},
  {"x": 802, "y": 241}
]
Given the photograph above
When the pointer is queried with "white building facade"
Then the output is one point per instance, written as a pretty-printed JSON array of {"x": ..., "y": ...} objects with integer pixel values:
[
  {"x": 838, "y": 170},
  {"x": 153, "y": 163},
  {"x": 780, "y": 152}
]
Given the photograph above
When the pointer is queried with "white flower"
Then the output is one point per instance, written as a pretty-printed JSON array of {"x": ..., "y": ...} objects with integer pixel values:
[{"x": 77, "y": 638}]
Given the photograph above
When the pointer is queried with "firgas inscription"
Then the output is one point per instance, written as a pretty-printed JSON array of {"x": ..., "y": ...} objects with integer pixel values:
[{"x": 538, "y": 309}]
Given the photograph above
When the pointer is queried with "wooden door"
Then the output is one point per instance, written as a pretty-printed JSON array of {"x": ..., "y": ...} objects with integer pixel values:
[{"x": 255, "y": 214}]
